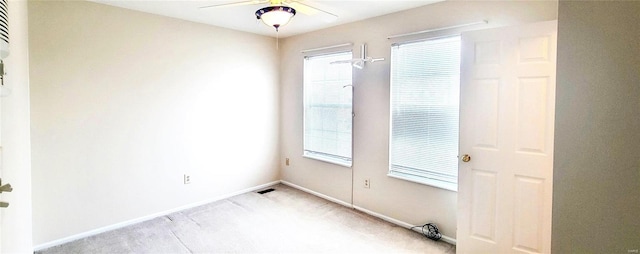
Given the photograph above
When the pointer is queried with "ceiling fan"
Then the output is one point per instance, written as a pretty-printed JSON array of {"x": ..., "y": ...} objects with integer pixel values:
[
  {"x": 279, "y": 12},
  {"x": 359, "y": 62}
]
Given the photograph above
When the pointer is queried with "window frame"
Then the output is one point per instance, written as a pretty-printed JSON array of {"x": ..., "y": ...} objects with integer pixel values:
[
  {"x": 404, "y": 175},
  {"x": 315, "y": 155}
]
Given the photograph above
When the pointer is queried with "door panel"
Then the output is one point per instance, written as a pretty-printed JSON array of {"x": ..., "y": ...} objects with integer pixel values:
[
  {"x": 483, "y": 205},
  {"x": 532, "y": 114},
  {"x": 527, "y": 231},
  {"x": 507, "y": 101},
  {"x": 486, "y": 117}
]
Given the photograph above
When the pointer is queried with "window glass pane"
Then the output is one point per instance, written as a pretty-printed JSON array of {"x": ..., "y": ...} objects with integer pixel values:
[
  {"x": 328, "y": 108},
  {"x": 425, "y": 88}
]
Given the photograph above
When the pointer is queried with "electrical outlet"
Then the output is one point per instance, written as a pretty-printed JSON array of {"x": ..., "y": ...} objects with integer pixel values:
[
  {"x": 286, "y": 161},
  {"x": 187, "y": 179},
  {"x": 367, "y": 183}
]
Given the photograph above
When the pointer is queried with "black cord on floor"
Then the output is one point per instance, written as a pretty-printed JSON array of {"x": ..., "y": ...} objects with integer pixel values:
[{"x": 430, "y": 231}]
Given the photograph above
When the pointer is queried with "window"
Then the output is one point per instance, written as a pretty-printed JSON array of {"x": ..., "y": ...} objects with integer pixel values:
[
  {"x": 425, "y": 92},
  {"x": 328, "y": 109}
]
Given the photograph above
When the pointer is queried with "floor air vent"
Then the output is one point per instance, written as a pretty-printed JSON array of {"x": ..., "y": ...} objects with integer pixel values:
[{"x": 266, "y": 191}]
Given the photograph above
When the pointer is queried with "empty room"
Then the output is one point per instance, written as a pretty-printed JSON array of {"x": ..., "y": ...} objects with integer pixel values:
[{"x": 311, "y": 126}]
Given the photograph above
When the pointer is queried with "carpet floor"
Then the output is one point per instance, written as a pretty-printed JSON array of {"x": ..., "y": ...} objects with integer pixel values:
[{"x": 286, "y": 220}]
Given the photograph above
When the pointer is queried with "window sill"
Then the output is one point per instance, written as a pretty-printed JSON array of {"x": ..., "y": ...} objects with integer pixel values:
[
  {"x": 329, "y": 160},
  {"x": 425, "y": 181}
]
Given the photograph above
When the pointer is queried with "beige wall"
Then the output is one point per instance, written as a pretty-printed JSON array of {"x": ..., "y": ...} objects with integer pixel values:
[
  {"x": 596, "y": 198},
  {"x": 398, "y": 199},
  {"x": 124, "y": 103},
  {"x": 15, "y": 161}
]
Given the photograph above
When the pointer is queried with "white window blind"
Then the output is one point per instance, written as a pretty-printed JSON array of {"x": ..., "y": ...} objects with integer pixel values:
[
  {"x": 425, "y": 88},
  {"x": 328, "y": 108}
]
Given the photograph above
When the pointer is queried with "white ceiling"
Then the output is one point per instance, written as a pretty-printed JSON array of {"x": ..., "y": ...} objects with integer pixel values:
[{"x": 243, "y": 17}]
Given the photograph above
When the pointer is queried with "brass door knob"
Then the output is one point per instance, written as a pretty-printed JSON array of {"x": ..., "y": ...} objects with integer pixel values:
[{"x": 466, "y": 158}]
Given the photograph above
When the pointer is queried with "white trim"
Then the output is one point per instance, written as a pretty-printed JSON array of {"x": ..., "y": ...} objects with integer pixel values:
[
  {"x": 327, "y": 47},
  {"x": 338, "y": 162},
  {"x": 438, "y": 29},
  {"x": 332, "y": 199},
  {"x": 425, "y": 181},
  {"x": 400, "y": 223},
  {"x": 147, "y": 217}
]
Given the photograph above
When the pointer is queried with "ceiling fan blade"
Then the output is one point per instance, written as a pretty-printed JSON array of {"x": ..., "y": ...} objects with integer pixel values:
[
  {"x": 310, "y": 10},
  {"x": 346, "y": 61},
  {"x": 342, "y": 62},
  {"x": 251, "y": 2}
]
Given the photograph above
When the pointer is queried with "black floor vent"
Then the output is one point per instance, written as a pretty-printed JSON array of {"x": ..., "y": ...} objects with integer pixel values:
[{"x": 266, "y": 191}]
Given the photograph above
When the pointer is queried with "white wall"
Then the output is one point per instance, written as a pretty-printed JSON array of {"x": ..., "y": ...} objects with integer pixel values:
[
  {"x": 402, "y": 200},
  {"x": 123, "y": 103},
  {"x": 596, "y": 182},
  {"x": 16, "y": 163}
]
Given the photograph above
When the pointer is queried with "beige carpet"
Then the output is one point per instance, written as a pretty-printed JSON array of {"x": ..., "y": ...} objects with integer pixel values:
[{"x": 283, "y": 221}]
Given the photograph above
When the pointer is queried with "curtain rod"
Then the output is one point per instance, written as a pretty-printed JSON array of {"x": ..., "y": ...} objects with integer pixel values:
[
  {"x": 328, "y": 47},
  {"x": 438, "y": 29}
]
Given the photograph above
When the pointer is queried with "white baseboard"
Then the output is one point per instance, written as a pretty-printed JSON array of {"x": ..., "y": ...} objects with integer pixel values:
[
  {"x": 148, "y": 217},
  {"x": 332, "y": 199},
  {"x": 400, "y": 223}
]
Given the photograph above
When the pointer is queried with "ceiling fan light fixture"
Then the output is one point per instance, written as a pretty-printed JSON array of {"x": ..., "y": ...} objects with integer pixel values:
[{"x": 275, "y": 16}]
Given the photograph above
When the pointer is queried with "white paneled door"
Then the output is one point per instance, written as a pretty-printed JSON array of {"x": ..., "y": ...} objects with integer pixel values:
[{"x": 507, "y": 105}]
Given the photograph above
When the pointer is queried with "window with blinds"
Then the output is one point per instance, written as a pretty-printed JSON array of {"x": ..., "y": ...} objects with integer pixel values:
[
  {"x": 425, "y": 88},
  {"x": 328, "y": 108}
]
